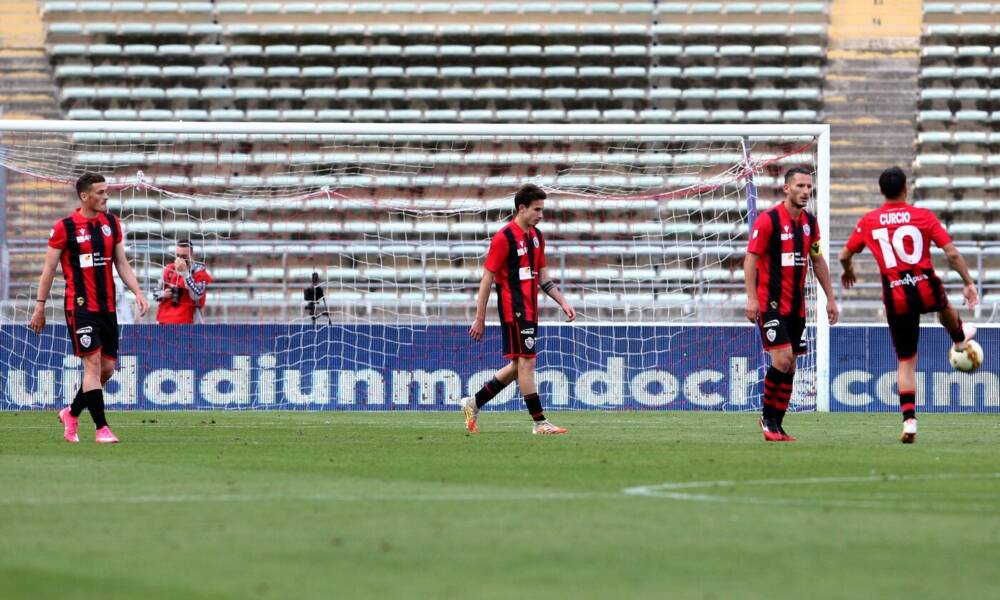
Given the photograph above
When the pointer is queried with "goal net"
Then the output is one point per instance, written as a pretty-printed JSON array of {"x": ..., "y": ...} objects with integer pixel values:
[{"x": 346, "y": 258}]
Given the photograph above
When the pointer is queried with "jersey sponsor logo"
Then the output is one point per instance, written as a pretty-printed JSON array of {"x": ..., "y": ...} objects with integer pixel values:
[
  {"x": 529, "y": 342},
  {"x": 86, "y": 260},
  {"x": 82, "y": 235},
  {"x": 787, "y": 236},
  {"x": 87, "y": 329},
  {"x": 528, "y": 331},
  {"x": 521, "y": 250},
  {"x": 894, "y": 218},
  {"x": 909, "y": 280},
  {"x": 788, "y": 259},
  {"x": 85, "y": 341},
  {"x": 524, "y": 273},
  {"x": 106, "y": 230},
  {"x": 771, "y": 334},
  {"x": 771, "y": 323}
]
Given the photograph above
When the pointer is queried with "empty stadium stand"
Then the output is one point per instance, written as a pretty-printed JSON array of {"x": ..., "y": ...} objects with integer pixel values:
[{"x": 899, "y": 86}]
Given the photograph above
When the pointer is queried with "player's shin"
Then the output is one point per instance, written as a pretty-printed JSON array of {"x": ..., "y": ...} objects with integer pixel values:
[
  {"x": 78, "y": 405},
  {"x": 908, "y": 404},
  {"x": 95, "y": 402},
  {"x": 786, "y": 382},
  {"x": 772, "y": 383},
  {"x": 906, "y": 377},
  {"x": 534, "y": 405},
  {"x": 489, "y": 391}
]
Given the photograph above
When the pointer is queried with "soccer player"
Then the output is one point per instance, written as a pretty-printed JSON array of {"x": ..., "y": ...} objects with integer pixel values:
[
  {"x": 87, "y": 243},
  {"x": 784, "y": 237},
  {"x": 516, "y": 262},
  {"x": 900, "y": 236}
]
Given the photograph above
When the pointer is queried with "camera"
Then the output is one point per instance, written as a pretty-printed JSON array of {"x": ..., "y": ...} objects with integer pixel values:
[{"x": 313, "y": 296}]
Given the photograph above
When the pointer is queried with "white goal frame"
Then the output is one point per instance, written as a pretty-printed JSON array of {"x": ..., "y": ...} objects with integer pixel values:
[{"x": 820, "y": 131}]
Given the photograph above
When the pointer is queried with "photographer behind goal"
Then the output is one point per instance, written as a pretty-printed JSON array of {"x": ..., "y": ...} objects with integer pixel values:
[{"x": 185, "y": 285}]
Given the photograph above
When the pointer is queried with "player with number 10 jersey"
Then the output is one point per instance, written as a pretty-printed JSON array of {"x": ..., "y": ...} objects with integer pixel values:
[{"x": 899, "y": 237}]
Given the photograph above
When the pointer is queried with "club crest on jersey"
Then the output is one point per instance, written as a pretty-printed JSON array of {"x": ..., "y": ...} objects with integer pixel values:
[
  {"x": 79, "y": 301},
  {"x": 85, "y": 341},
  {"x": 806, "y": 229},
  {"x": 106, "y": 230},
  {"x": 535, "y": 239},
  {"x": 771, "y": 334},
  {"x": 529, "y": 343}
]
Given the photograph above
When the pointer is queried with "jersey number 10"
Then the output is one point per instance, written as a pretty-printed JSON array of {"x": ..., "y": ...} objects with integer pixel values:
[{"x": 898, "y": 244}]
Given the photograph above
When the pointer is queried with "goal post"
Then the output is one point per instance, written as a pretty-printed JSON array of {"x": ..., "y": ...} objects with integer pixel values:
[{"x": 647, "y": 230}]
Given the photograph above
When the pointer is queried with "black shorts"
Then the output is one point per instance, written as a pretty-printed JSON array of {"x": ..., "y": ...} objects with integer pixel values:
[
  {"x": 519, "y": 338},
  {"x": 777, "y": 331},
  {"x": 90, "y": 332},
  {"x": 905, "y": 331}
]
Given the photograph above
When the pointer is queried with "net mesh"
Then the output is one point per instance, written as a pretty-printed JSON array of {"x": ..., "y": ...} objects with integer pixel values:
[{"x": 645, "y": 237}]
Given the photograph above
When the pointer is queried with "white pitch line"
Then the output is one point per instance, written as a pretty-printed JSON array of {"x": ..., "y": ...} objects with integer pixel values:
[
  {"x": 320, "y": 497},
  {"x": 673, "y": 490}
]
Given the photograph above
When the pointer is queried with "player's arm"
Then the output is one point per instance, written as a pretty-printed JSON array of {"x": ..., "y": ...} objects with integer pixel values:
[
  {"x": 128, "y": 276},
  {"x": 822, "y": 271},
  {"x": 750, "y": 280},
  {"x": 482, "y": 298},
  {"x": 847, "y": 276},
  {"x": 855, "y": 245},
  {"x": 52, "y": 256},
  {"x": 957, "y": 263},
  {"x": 196, "y": 286},
  {"x": 553, "y": 292}
]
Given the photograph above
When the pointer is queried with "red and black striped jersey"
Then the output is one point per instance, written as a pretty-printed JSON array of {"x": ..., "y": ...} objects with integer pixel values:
[
  {"x": 900, "y": 236},
  {"x": 87, "y": 259},
  {"x": 783, "y": 245},
  {"x": 515, "y": 258}
]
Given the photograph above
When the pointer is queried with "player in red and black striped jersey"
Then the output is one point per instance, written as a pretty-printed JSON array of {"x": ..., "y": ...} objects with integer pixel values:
[
  {"x": 783, "y": 239},
  {"x": 87, "y": 243},
  {"x": 516, "y": 264},
  {"x": 900, "y": 236}
]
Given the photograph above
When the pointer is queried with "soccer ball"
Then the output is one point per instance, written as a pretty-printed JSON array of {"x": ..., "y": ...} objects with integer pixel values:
[{"x": 967, "y": 360}]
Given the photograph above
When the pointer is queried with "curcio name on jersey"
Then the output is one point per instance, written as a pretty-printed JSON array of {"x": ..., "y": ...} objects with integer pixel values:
[{"x": 894, "y": 218}]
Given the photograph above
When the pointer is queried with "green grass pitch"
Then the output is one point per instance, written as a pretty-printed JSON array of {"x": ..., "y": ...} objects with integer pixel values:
[{"x": 407, "y": 505}]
